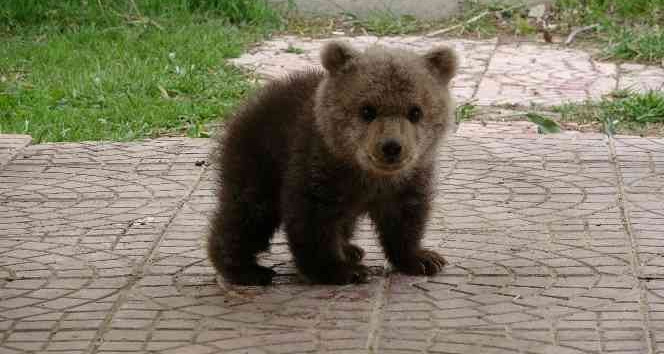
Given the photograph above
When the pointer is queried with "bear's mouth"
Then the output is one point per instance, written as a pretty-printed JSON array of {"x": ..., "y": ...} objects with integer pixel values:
[{"x": 387, "y": 167}]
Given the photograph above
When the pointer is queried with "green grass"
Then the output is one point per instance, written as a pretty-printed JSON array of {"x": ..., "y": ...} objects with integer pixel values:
[
  {"x": 646, "y": 45},
  {"x": 74, "y": 70},
  {"x": 630, "y": 29},
  {"x": 485, "y": 25},
  {"x": 384, "y": 23},
  {"x": 625, "y": 111},
  {"x": 294, "y": 50},
  {"x": 465, "y": 112}
]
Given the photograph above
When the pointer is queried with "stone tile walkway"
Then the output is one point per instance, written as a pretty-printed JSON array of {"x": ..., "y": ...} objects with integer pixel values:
[
  {"x": 555, "y": 246},
  {"x": 555, "y": 242},
  {"x": 491, "y": 73}
]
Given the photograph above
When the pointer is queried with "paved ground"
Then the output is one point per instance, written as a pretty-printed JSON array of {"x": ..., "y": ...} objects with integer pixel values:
[{"x": 555, "y": 246}]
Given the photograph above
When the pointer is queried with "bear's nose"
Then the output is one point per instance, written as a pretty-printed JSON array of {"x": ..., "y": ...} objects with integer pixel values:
[{"x": 391, "y": 149}]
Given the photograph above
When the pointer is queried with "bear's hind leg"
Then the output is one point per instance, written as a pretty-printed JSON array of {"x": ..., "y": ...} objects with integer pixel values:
[{"x": 242, "y": 228}]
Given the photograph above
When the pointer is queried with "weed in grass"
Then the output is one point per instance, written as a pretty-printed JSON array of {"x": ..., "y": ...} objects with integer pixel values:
[
  {"x": 294, "y": 50},
  {"x": 523, "y": 27},
  {"x": 545, "y": 125},
  {"x": 465, "y": 111},
  {"x": 639, "y": 108}
]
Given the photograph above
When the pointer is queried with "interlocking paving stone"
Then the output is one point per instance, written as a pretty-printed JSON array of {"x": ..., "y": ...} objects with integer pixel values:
[
  {"x": 491, "y": 73},
  {"x": 641, "y": 162},
  {"x": 553, "y": 245},
  {"x": 544, "y": 75},
  {"x": 640, "y": 77}
]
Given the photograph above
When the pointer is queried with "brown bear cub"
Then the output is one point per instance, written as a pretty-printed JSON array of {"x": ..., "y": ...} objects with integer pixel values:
[{"x": 318, "y": 149}]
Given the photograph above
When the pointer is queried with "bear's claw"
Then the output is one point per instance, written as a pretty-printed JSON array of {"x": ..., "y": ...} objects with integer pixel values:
[{"x": 423, "y": 262}]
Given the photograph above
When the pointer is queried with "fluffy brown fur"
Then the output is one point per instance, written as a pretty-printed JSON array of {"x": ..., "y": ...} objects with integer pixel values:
[{"x": 318, "y": 149}]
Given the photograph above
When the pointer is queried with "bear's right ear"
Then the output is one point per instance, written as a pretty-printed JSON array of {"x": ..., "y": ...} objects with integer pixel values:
[
  {"x": 443, "y": 62},
  {"x": 335, "y": 55}
]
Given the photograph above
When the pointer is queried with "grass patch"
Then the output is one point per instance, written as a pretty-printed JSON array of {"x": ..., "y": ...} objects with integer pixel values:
[
  {"x": 465, "y": 112},
  {"x": 379, "y": 23},
  {"x": 630, "y": 29},
  {"x": 545, "y": 125},
  {"x": 387, "y": 23},
  {"x": 622, "y": 112},
  {"x": 637, "y": 44},
  {"x": 473, "y": 20},
  {"x": 100, "y": 70},
  {"x": 294, "y": 50}
]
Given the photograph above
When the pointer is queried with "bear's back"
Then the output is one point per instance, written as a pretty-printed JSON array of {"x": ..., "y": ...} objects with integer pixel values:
[{"x": 262, "y": 129}]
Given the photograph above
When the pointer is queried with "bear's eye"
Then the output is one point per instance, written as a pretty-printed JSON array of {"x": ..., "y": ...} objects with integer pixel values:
[
  {"x": 368, "y": 113},
  {"x": 414, "y": 114}
]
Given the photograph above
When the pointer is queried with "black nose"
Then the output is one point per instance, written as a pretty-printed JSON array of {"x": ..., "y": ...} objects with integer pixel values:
[{"x": 391, "y": 149}]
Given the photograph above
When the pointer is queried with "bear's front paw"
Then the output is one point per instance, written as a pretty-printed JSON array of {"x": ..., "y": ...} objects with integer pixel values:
[
  {"x": 421, "y": 262},
  {"x": 340, "y": 274},
  {"x": 354, "y": 254},
  {"x": 252, "y": 274},
  {"x": 355, "y": 274}
]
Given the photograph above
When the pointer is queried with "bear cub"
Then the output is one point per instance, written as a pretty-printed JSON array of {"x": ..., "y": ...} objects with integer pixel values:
[{"x": 316, "y": 150}]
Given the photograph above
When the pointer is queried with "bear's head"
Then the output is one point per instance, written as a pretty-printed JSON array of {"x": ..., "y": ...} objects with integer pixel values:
[{"x": 385, "y": 109}]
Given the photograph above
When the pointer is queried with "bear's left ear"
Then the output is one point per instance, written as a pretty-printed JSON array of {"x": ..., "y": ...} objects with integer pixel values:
[
  {"x": 335, "y": 55},
  {"x": 443, "y": 62}
]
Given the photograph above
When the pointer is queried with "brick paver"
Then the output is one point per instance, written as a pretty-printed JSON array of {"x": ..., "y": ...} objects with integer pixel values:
[
  {"x": 554, "y": 245},
  {"x": 491, "y": 73}
]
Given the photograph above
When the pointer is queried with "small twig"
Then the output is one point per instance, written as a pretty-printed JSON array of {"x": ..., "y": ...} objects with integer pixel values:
[
  {"x": 574, "y": 33},
  {"x": 133, "y": 4},
  {"x": 450, "y": 29},
  {"x": 470, "y": 20},
  {"x": 157, "y": 25},
  {"x": 137, "y": 19},
  {"x": 143, "y": 21}
]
